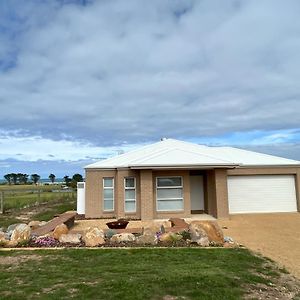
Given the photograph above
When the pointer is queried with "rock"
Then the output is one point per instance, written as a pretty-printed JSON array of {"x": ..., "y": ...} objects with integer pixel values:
[
  {"x": 21, "y": 233},
  {"x": 70, "y": 238},
  {"x": 211, "y": 228},
  {"x": 10, "y": 229},
  {"x": 196, "y": 232},
  {"x": 93, "y": 237},
  {"x": 59, "y": 230},
  {"x": 203, "y": 242},
  {"x": 228, "y": 239},
  {"x": 122, "y": 237},
  {"x": 10, "y": 244},
  {"x": 146, "y": 240},
  {"x": 151, "y": 230},
  {"x": 34, "y": 224},
  {"x": 2, "y": 236},
  {"x": 170, "y": 237}
]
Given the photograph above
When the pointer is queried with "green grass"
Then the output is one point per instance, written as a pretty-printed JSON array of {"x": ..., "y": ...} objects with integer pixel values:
[
  {"x": 130, "y": 274},
  {"x": 7, "y": 187},
  {"x": 22, "y": 199}
]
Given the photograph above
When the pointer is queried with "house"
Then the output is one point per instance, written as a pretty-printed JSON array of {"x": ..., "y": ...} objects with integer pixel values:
[{"x": 173, "y": 178}]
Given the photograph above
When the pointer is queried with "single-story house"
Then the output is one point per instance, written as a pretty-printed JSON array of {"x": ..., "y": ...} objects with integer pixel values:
[{"x": 173, "y": 178}]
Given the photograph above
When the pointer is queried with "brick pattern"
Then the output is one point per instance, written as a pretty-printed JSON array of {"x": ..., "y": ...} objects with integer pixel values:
[{"x": 146, "y": 184}]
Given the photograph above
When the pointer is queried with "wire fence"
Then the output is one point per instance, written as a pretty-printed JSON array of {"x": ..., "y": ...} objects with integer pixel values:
[{"x": 24, "y": 198}]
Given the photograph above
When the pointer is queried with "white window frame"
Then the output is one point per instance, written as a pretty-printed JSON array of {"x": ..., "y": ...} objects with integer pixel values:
[
  {"x": 169, "y": 187},
  {"x": 113, "y": 193},
  {"x": 129, "y": 188}
]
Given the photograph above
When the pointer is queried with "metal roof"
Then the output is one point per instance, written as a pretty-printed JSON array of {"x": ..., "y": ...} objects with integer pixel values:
[{"x": 171, "y": 153}]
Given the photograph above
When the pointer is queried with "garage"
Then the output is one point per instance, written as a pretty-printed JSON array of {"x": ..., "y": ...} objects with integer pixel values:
[{"x": 262, "y": 194}]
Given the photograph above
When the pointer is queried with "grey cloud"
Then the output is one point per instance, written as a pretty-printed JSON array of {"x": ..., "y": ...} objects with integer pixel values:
[{"x": 114, "y": 71}]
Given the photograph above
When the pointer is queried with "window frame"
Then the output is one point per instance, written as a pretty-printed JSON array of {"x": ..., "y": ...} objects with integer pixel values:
[
  {"x": 113, "y": 193},
  {"x": 128, "y": 189},
  {"x": 168, "y": 199}
]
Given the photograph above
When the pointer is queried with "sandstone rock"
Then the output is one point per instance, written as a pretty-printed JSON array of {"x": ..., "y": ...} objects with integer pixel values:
[
  {"x": 10, "y": 229},
  {"x": 2, "y": 236},
  {"x": 212, "y": 230},
  {"x": 94, "y": 237},
  {"x": 10, "y": 244},
  {"x": 203, "y": 242},
  {"x": 196, "y": 232},
  {"x": 21, "y": 233},
  {"x": 151, "y": 230},
  {"x": 34, "y": 224},
  {"x": 59, "y": 230},
  {"x": 170, "y": 237},
  {"x": 70, "y": 238},
  {"x": 146, "y": 240},
  {"x": 122, "y": 237}
]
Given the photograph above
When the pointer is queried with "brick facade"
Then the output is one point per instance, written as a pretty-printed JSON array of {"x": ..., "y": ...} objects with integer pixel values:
[{"x": 215, "y": 191}]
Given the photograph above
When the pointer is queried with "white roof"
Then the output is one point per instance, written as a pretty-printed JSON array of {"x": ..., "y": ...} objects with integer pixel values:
[{"x": 170, "y": 153}]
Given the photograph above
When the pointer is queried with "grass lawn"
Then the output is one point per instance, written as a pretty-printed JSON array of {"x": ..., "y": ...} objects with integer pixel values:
[{"x": 133, "y": 274}]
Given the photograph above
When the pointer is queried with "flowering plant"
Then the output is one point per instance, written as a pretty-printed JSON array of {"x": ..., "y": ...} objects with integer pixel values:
[{"x": 45, "y": 241}]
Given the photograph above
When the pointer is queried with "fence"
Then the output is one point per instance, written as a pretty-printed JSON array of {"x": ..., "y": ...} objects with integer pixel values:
[{"x": 24, "y": 198}]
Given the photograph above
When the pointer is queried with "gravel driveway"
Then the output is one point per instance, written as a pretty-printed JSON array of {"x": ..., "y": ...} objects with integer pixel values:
[{"x": 276, "y": 236}]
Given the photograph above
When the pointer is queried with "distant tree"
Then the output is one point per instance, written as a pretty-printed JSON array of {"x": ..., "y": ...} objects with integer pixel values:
[
  {"x": 8, "y": 178},
  {"x": 67, "y": 180},
  {"x": 52, "y": 177},
  {"x": 35, "y": 178},
  {"x": 77, "y": 177},
  {"x": 14, "y": 177}
]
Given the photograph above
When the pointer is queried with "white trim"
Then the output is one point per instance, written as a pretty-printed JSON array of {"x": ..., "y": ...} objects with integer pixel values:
[
  {"x": 130, "y": 189},
  {"x": 169, "y": 187},
  {"x": 113, "y": 193}
]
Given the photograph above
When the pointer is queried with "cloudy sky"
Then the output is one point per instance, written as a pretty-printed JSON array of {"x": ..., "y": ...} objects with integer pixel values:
[{"x": 84, "y": 80}]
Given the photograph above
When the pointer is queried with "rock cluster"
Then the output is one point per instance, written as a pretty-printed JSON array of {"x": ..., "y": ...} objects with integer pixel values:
[{"x": 201, "y": 233}]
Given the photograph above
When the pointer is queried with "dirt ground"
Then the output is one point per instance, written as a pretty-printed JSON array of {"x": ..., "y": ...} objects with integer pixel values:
[{"x": 276, "y": 236}]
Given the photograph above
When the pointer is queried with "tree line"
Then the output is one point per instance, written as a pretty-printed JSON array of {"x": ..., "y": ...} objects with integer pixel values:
[{"x": 20, "y": 178}]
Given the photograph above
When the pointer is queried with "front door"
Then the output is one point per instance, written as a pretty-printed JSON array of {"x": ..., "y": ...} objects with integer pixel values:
[{"x": 197, "y": 194}]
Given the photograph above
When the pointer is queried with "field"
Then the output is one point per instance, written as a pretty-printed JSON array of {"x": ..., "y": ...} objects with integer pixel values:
[
  {"x": 29, "y": 202},
  {"x": 167, "y": 274}
]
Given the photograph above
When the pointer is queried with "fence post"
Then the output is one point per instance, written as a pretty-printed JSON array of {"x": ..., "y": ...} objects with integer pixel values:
[{"x": 2, "y": 202}]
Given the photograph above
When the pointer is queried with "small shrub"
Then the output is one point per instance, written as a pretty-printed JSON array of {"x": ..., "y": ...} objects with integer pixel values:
[
  {"x": 185, "y": 235},
  {"x": 109, "y": 233}
]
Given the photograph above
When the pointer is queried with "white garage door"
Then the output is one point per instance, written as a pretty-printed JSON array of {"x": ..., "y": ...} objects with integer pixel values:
[{"x": 262, "y": 193}]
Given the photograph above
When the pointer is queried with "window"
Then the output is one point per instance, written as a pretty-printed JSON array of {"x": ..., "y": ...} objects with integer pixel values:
[
  {"x": 108, "y": 194},
  {"x": 169, "y": 193},
  {"x": 130, "y": 194}
]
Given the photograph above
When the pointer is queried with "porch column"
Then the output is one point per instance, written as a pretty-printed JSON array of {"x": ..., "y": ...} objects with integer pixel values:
[
  {"x": 217, "y": 193},
  {"x": 119, "y": 201},
  {"x": 146, "y": 181}
]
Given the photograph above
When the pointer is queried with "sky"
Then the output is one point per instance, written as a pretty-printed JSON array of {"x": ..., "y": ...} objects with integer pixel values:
[{"x": 82, "y": 80}]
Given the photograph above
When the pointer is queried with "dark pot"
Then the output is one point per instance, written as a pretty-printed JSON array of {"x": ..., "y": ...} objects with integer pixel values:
[{"x": 120, "y": 224}]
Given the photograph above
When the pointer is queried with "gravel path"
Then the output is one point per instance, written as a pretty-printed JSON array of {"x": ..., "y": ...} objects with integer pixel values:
[{"x": 276, "y": 236}]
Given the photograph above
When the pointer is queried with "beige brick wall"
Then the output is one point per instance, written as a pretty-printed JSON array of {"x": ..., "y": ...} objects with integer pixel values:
[{"x": 146, "y": 194}]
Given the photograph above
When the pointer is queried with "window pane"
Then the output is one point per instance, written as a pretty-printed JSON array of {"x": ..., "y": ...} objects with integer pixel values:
[
  {"x": 108, "y": 193},
  {"x": 130, "y": 194},
  {"x": 130, "y": 206},
  {"x": 170, "y": 205},
  {"x": 108, "y": 182},
  {"x": 108, "y": 204},
  {"x": 129, "y": 182},
  {"x": 169, "y": 193},
  {"x": 172, "y": 181}
]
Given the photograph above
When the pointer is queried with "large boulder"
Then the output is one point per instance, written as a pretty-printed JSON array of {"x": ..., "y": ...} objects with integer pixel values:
[
  {"x": 93, "y": 237},
  {"x": 146, "y": 240},
  {"x": 211, "y": 228},
  {"x": 21, "y": 233},
  {"x": 203, "y": 242},
  {"x": 70, "y": 238},
  {"x": 59, "y": 230},
  {"x": 196, "y": 232},
  {"x": 122, "y": 237}
]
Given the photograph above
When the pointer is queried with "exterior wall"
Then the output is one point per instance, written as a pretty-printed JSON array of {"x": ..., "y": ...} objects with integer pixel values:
[
  {"x": 94, "y": 193},
  {"x": 186, "y": 212},
  {"x": 272, "y": 171}
]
